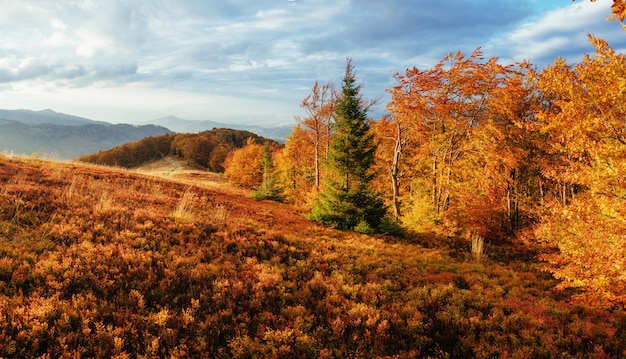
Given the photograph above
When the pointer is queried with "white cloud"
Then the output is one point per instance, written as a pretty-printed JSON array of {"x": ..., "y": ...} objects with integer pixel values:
[
  {"x": 91, "y": 43},
  {"x": 561, "y": 32},
  {"x": 233, "y": 59}
]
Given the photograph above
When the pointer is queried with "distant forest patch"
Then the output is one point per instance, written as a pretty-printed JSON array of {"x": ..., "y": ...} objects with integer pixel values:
[{"x": 208, "y": 149}]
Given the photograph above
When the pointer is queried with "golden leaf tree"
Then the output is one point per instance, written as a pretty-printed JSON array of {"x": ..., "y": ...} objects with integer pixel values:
[
  {"x": 319, "y": 106},
  {"x": 243, "y": 166},
  {"x": 296, "y": 171},
  {"x": 453, "y": 127},
  {"x": 618, "y": 9},
  {"x": 585, "y": 137}
]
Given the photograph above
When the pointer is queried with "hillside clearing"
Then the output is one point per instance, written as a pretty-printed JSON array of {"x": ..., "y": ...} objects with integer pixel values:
[{"x": 100, "y": 262}]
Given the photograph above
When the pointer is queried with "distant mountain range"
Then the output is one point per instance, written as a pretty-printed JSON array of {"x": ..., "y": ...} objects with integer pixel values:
[
  {"x": 57, "y": 135},
  {"x": 176, "y": 124},
  {"x": 46, "y": 116}
]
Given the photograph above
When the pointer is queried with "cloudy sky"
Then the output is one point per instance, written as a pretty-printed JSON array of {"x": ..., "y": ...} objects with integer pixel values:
[{"x": 253, "y": 61}]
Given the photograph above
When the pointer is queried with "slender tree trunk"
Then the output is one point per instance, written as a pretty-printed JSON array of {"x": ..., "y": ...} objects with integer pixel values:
[
  {"x": 395, "y": 177},
  {"x": 317, "y": 156},
  {"x": 446, "y": 200},
  {"x": 509, "y": 211},
  {"x": 434, "y": 184}
]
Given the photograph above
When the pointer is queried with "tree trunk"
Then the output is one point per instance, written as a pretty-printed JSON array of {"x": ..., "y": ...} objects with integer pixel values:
[
  {"x": 395, "y": 177},
  {"x": 434, "y": 184},
  {"x": 317, "y": 156}
]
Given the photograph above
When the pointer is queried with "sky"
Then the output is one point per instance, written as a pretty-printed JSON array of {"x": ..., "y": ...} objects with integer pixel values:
[{"x": 253, "y": 61}]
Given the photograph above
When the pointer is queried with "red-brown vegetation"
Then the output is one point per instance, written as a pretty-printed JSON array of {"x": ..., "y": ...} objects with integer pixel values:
[
  {"x": 100, "y": 262},
  {"x": 208, "y": 149}
]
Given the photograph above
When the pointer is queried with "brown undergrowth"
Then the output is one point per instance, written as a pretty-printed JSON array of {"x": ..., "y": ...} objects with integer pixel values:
[{"x": 101, "y": 262}]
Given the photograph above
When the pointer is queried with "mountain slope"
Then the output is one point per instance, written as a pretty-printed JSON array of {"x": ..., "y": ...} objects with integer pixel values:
[
  {"x": 69, "y": 141},
  {"x": 101, "y": 262},
  {"x": 46, "y": 116}
]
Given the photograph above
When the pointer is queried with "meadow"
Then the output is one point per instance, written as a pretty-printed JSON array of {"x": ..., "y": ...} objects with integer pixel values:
[{"x": 104, "y": 262}]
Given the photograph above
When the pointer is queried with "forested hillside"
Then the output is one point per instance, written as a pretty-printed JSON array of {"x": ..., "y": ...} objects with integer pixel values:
[
  {"x": 208, "y": 149},
  {"x": 67, "y": 139},
  {"x": 491, "y": 152}
]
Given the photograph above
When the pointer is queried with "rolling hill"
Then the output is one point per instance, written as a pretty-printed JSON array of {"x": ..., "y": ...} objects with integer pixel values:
[
  {"x": 207, "y": 149},
  {"x": 57, "y": 135},
  {"x": 104, "y": 262}
]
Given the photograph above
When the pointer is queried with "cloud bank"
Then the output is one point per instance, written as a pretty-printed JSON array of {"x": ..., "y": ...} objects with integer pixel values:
[{"x": 243, "y": 61}]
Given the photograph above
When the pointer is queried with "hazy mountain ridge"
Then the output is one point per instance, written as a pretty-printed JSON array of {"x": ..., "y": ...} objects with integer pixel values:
[
  {"x": 176, "y": 124},
  {"x": 67, "y": 136},
  {"x": 46, "y": 116},
  {"x": 64, "y": 136}
]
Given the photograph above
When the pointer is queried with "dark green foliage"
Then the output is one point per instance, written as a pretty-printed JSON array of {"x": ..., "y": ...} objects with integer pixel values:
[
  {"x": 358, "y": 210},
  {"x": 347, "y": 202},
  {"x": 268, "y": 189}
]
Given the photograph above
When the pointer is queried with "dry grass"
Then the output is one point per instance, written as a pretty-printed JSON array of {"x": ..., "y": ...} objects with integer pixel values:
[
  {"x": 184, "y": 210},
  {"x": 478, "y": 247},
  {"x": 173, "y": 267},
  {"x": 174, "y": 169}
]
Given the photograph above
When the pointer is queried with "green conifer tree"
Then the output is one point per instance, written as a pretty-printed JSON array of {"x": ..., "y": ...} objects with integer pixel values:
[
  {"x": 347, "y": 201},
  {"x": 268, "y": 189}
]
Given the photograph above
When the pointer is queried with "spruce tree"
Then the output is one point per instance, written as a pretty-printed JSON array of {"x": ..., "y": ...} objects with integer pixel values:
[
  {"x": 268, "y": 189},
  {"x": 347, "y": 201}
]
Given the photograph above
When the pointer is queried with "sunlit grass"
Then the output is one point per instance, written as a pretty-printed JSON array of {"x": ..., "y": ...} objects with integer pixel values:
[
  {"x": 184, "y": 210},
  {"x": 103, "y": 262},
  {"x": 478, "y": 247}
]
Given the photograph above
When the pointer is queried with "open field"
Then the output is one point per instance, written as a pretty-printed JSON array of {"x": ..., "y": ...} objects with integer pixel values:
[
  {"x": 174, "y": 169},
  {"x": 168, "y": 261}
]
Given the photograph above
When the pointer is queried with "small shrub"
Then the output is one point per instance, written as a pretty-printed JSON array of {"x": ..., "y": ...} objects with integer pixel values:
[
  {"x": 270, "y": 195},
  {"x": 391, "y": 227},
  {"x": 363, "y": 227}
]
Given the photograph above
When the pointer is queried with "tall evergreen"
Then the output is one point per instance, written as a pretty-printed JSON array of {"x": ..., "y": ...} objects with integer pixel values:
[
  {"x": 268, "y": 189},
  {"x": 347, "y": 201}
]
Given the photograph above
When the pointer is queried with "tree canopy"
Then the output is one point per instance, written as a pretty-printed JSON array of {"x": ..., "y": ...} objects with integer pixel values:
[{"x": 347, "y": 200}]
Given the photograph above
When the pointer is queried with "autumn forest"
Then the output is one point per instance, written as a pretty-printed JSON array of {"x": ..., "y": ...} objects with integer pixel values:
[
  {"x": 483, "y": 216},
  {"x": 493, "y": 153}
]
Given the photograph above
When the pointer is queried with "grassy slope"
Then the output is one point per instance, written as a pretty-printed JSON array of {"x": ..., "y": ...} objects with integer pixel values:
[{"x": 103, "y": 262}]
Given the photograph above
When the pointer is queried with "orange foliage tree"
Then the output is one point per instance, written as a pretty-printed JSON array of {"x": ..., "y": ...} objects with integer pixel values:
[
  {"x": 296, "y": 173},
  {"x": 319, "y": 106},
  {"x": 618, "y": 9},
  {"x": 301, "y": 162},
  {"x": 393, "y": 135},
  {"x": 585, "y": 142},
  {"x": 458, "y": 120},
  {"x": 243, "y": 166}
]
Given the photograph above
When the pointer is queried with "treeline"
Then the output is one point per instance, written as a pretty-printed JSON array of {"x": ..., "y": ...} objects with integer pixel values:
[
  {"x": 476, "y": 148},
  {"x": 208, "y": 149}
]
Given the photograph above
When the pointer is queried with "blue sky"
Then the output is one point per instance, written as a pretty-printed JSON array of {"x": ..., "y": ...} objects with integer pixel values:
[{"x": 253, "y": 61}]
